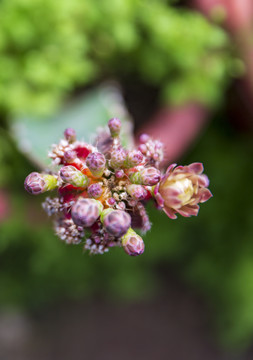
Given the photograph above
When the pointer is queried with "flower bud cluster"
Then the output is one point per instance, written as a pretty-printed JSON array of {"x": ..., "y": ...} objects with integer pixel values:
[{"x": 100, "y": 192}]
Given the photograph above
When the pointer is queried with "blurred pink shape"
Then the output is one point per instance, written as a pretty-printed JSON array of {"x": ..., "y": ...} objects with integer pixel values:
[
  {"x": 177, "y": 128},
  {"x": 4, "y": 205},
  {"x": 239, "y": 13}
]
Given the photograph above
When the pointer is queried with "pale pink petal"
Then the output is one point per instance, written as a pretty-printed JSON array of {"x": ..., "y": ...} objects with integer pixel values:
[
  {"x": 159, "y": 199},
  {"x": 169, "y": 191},
  {"x": 170, "y": 212},
  {"x": 170, "y": 168},
  {"x": 203, "y": 180},
  {"x": 173, "y": 202},
  {"x": 205, "y": 195},
  {"x": 196, "y": 167},
  {"x": 189, "y": 210}
]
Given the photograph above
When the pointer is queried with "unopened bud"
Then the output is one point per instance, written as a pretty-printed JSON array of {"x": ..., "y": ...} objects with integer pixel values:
[
  {"x": 134, "y": 158},
  {"x": 132, "y": 243},
  {"x": 70, "y": 135},
  {"x": 86, "y": 211},
  {"x": 118, "y": 158},
  {"x": 144, "y": 138},
  {"x": 143, "y": 148},
  {"x": 36, "y": 183},
  {"x": 69, "y": 156},
  {"x": 119, "y": 174},
  {"x": 148, "y": 176},
  {"x": 96, "y": 163},
  {"x": 71, "y": 175},
  {"x": 116, "y": 222},
  {"x": 95, "y": 190},
  {"x": 111, "y": 201},
  {"x": 114, "y": 126},
  {"x": 137, "y": 192}
]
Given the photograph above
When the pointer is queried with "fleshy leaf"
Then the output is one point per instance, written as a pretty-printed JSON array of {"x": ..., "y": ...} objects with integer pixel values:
[{"x": 89, "y": 112}]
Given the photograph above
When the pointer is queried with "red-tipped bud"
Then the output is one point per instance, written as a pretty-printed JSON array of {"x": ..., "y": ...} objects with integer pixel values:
[
  {"x": 114, "y": 126},
  {"x": 86, "y": 211},
  {"x": 118, "y": 158},
  {"x": 133, "y": 243},
  {"x": 71, "y": 175},
  {"x": 96, "y": 163},
  {"x": 148, "y": 176},
  {"x": 134, "y": 158},
  {"x": 116, "y": 222},
  {"x": 36, "y": 183},
  {"x": 70, "y": 135},
  {"x": 95, "y": 190},
  {"x": 137, "y": 192}
]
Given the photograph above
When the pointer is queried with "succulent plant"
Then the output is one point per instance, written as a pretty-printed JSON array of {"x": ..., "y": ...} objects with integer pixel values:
[{"x": 102, "y": 196}]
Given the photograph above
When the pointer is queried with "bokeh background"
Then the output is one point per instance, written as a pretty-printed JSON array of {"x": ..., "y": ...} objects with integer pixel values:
[{"x": 181, "y": 71}]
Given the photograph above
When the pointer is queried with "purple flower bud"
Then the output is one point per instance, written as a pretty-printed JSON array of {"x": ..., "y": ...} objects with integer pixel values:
[
  {"x": 134, "y": 158},
  {"x": 86, "y": 211},
  {"x": 148, "y": 176},
  {"x": 118, "y": 158},
  {"x": 111, "y": 201},
  {"x": 133, "y": 243},
  {"x": 121, "y": 205},
  {"x": 142, "y": 148},
  {"x": 70, "y": 135},
  {"x": 119, "y": 174},
  {"x": 95, "y": 190},
  {"x": 144, "y": 138},
  {"x": 137, "y": 192},
  {"x": 71, "y": 175},
  {"x": 116, "y": 222},
  {"x": 114, "y": 126},
  {"x": 36, "y": 183},
  {"x": 96, "y": 163},
  {"x": 69, "y": 156}
]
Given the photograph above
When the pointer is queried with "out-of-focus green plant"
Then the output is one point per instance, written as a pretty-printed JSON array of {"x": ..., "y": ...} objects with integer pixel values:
[{"x": 49, "y": 48}]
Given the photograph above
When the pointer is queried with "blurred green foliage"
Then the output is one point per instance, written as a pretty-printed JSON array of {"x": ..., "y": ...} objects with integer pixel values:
[
  {"x": 213, "y": 252},
  {"x": 49, "y": 48}
]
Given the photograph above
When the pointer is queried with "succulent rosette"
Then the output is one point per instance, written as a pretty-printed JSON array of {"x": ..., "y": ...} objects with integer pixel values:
[
  {"x": 100, "y": 192},
  {"x": 181, "y": 189}
]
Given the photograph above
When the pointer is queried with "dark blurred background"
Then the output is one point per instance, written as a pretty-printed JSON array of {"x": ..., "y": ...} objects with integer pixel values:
[{"x": 181, "y": 71}]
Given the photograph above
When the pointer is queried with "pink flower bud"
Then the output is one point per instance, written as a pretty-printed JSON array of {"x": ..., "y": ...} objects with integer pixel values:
[
  {"x": 111, "y": 201},
  {"x": 118, "y": 158},
  {"x": 70, "y": 135},
  {"x": 181, "y": 189},
  {"x": 86, "y": 211},
  {"x": 116, "y": 222},
  {"x": 71, "y": 175},
  {"x": 114, "y": 126},
  {"x": 137, "y": 192},
  {"x": 96, "y": 163},
  {"x": 143, "y": 148},
  {"x": 37, "y": 183},
  {"x": 133, "y": 243},
  {"x": 95, "y": 190},
  {"x": 144, "y": 138},
  {"x": 148, "y": 176},
  {"x": 69, "y": 156},
  {"x": 119, "y": 174},
  {"x": 134, "y": 158}
]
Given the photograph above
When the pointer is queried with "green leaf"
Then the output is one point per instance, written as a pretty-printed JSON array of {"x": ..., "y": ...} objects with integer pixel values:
[{"x": 85, "y": 114}]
